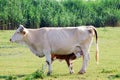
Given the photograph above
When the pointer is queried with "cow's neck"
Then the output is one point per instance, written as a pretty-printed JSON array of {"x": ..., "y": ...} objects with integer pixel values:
[
  {"x": 32, "y": 46},
  {"x": 28, "y": 41}
]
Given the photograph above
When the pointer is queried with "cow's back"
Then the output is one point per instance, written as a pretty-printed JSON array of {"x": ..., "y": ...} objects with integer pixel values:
[{"x": 64, "y": 40}]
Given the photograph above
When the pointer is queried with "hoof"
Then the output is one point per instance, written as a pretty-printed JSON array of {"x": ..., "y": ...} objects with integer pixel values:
[
  {"x": 72, "y": 72},
  {"x": 81, "y": 72},
  {"x": 49, "y": 73}
]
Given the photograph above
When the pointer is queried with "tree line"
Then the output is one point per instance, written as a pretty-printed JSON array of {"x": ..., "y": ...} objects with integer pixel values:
[{"x": 40, "y": 13}]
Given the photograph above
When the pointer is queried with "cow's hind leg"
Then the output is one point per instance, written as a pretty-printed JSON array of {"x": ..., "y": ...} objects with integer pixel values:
[{"x": 85, "y": 61}]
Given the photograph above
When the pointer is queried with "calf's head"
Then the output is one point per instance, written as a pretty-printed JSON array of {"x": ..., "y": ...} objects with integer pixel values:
[{"x": 19, "y": 35}]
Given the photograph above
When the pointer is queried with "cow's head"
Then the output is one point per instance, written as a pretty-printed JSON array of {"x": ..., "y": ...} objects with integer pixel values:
[{"x": 18, "y": 36}]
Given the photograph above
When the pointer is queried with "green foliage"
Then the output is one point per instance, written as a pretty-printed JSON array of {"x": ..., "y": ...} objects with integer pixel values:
[
  {"x": 113, "y": 77},
  {"x": 40, "y": 13},
  {"x": 11, "y": 78},
  {"x": 108, "y": 71},
  {"x": 37, "y": 74}
]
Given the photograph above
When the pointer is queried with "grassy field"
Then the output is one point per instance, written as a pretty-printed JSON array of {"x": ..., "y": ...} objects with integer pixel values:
[{"x": 17, "y": 60}]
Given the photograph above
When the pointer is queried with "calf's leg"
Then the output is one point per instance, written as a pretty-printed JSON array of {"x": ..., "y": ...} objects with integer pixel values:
[{"x": 69, "y": 63}]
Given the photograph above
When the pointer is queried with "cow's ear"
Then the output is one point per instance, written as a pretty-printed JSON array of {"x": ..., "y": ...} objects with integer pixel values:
[
  {"x": 21, "y": 29},
  {"x": 23, "y": 32}
]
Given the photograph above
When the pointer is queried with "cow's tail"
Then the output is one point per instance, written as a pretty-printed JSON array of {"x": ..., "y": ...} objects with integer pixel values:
[{"x": 97, "y": 49}]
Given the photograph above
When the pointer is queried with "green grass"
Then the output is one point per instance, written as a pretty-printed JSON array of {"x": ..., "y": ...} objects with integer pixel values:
[{"x": 17, "y": 62}]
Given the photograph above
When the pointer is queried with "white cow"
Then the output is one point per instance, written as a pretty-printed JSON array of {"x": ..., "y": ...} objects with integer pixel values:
[{"x": 61, "y": 41}]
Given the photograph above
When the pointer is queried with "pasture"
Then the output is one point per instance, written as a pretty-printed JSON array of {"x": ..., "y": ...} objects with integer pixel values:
[{"x": 17, "y": 60}]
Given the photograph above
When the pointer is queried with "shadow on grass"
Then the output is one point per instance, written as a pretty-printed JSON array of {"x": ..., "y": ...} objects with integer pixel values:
[
  {"x": 108, "y": 71},
  {"x": 28, "y": 77},
  {"x": 59, "y": 75},
  {"x": 112, "y": 77},
  {"x": 35, "y": 75},
  {"x": 11, "y": 77}
]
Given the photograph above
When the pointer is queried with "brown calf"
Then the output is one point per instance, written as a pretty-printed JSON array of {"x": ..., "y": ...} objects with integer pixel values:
[{"x": 67, "y": 58}]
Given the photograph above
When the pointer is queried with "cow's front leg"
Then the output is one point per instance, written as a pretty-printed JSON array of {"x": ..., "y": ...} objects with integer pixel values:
[
  {"x": 84, "y": 65},
  {"x": 48, "y": 61}
]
